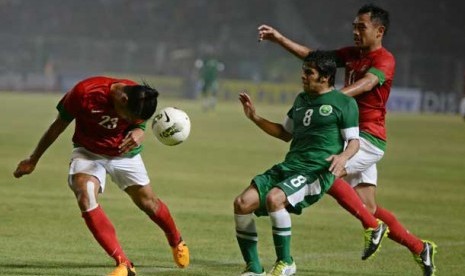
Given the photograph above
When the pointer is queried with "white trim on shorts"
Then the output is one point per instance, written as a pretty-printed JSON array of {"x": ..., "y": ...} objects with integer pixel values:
[
  {"x": 124, "y": 171},
  {"x": 361, "y": 168}
]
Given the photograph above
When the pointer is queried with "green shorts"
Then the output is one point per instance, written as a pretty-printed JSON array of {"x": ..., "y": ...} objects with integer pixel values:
[{"x": 301, "y": 189}]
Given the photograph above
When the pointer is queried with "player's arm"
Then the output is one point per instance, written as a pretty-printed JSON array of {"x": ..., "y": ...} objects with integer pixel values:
[
  {"x": 266, "y": 32},
  {"x": 134, "y": 138},
  {"x": 350, "y": 134},
  {"x": 338, "y": 162},
  {"x": 271, "y": 128},
  {"x": 28, "y": 165},
  {"x": 365, "y": 84}
]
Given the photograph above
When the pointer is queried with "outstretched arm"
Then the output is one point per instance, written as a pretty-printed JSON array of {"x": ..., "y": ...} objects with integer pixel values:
[
  {"x": 28, "y": 165},
  {"x": 365, "y": 84},
  {"x": 271, "y": 128},
  {"x": 266, "y": 32}
]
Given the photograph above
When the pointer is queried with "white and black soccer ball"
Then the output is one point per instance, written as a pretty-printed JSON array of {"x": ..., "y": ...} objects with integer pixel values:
[{"x": 171, "y": 126}]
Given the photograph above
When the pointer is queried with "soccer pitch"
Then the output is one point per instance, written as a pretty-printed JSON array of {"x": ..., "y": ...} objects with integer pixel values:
[{"x": 422, "y": 180}]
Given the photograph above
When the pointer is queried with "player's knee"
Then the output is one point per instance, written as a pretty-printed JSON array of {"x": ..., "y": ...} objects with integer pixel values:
[
  {"x": 241, "y": 206},
  {"x": 85, "y": 192},
  {"x": 86, "y": 201},
  {"x": 275, "y": 199}
]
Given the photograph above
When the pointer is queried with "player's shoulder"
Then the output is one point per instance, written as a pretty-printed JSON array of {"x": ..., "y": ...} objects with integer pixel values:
[
  {"x": 348, "y": 49},
  {"x": 300, "y": 98},
  {"x": 341, "y": 97},
  {"x": 384, "y": 54},
  {"x": 93, "y": 81}
]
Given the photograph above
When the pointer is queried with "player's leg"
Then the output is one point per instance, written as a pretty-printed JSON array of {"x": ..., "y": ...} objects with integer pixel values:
[
  {"x": 345, "y": 195},
  {"x": 159, "y": 213},
  {"x": 375, "y": 230},
  {"x": 423, "y": 251},
  {"x": 276, "y": 202},
  {"x": 294, "y": 193},
  {"x": 86, "y": 179},
  {"x": 398, "y": 233},
  {"x": 213, "y": 94},
  {"x": 365, "y": 158},
  {"x": 131, "y": 176},
  {"x": 204, "y": 95},
  {"x": 363, "y": 177},
  {"x": 246, "y": 232}
]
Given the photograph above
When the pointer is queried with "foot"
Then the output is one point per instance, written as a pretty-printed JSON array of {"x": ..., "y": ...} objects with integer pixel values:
[
  {"x": 181, "y": 254},
  {"x": 426, "y": 258},
  {"x": 123, "y": 269},
  {"x": 248, "y": 272},
  {"x": 373, "y": 239},
  {"x": 282, "y": 268}
]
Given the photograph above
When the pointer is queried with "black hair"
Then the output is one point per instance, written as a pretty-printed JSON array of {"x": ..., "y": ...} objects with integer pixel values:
[
  {"x": 142, "y": 100},
  {"x": 324, "y": 62},
  {"x": 377, "y": 14}
]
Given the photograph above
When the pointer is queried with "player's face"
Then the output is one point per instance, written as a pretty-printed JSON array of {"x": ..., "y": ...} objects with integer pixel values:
[
  {"x": 311, "y": 80},
  {"x": 366, "y": 32}
]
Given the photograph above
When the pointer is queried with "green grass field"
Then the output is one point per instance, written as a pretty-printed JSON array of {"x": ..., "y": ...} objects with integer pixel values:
[{"x": 422, "y": 180}]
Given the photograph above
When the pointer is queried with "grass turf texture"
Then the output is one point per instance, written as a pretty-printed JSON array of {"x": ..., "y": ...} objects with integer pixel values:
[{"x": 422, "y": 180}]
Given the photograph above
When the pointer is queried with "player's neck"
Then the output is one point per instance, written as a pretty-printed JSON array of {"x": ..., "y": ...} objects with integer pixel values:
[
  {"x": 371, "y": 48},
  {"x": 320, "y": 91}
]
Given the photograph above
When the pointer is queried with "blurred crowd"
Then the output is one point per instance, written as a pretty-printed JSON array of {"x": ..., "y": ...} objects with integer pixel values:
[{"x": 166, "y": 37}]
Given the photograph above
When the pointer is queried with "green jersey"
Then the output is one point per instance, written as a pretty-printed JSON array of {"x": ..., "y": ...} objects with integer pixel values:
[{"x": 319, "y": 125}]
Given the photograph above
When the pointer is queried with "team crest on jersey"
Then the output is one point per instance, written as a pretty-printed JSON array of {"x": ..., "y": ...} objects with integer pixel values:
[{"x": 325, "y": 110}]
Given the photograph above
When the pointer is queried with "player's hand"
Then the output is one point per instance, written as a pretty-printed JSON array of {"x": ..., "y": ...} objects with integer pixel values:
[
  {"x": 266, "y": 32},
  {"x": 132, "y": 140},
  {"x": 26, "y": 166},
  {"x": 338, "y": 163},
  {"x": 247, "y": 104}
]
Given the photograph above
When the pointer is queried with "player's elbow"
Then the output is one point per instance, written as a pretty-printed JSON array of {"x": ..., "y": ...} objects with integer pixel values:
[{"x": 286, "y": 136}]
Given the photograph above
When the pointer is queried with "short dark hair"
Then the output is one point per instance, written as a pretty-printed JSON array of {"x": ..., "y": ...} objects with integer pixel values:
[
  {"x": 377, "y": 14},
  {"x": 324, "y": 62},
  {"x": 142, "y": 100}
]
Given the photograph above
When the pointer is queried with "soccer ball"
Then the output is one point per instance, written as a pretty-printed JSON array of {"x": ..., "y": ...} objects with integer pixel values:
[{"x": 171, "y": 126}]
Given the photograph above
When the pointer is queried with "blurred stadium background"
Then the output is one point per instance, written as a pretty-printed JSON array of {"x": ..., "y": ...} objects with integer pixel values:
[{"x": 48, "y": 45}]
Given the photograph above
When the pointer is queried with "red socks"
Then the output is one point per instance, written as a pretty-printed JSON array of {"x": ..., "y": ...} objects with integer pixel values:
[
  {"x": 104, "y": 232},
  {"x": 164, "y": 220},
  {"x": 348, "y": 198},
  {"x": 397, "y": 232}
]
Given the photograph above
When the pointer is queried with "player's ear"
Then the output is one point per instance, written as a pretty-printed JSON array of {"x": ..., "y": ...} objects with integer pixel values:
[
  {"x": 324, "y": 79},
  {"x": 380, "y": 31},
  {"x": 124, "y": 98}
]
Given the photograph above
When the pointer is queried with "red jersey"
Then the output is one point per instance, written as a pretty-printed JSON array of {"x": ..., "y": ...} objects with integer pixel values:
[
  {"x": 99, "y": 129},
  {"x": 371, "y": 104}
]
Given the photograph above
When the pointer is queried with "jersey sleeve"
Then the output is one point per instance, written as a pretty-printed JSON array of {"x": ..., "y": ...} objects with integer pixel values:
[
  {"x": 349, "y": 125},
  {"x": 69, "y": 105},
  {"x": 383, "y": 67},
  {"x": 142, "y": 126},
  {"x": 288, "y": 124}
]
